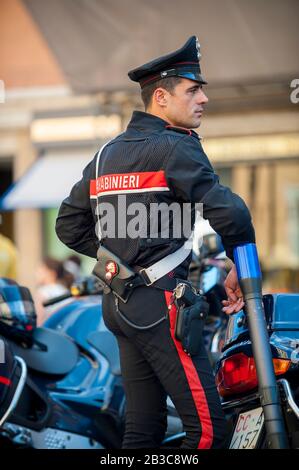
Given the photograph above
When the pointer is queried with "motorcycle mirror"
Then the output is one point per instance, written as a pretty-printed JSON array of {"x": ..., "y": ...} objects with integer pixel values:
[{"x": 211, "y": 246}]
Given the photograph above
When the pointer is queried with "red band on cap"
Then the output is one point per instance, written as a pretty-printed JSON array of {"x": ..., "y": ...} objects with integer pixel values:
[
  {"x": 186, "y": 63},
  {"x": 153, "y": 77},
  {"x": 128, "y": 182},
  {"x": 150, "y": 79}
]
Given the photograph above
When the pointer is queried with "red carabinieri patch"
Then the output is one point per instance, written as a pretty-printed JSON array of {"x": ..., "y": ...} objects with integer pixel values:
[
  {"x": 179, "y": 128},
  {"x": 129, "y": 182}
]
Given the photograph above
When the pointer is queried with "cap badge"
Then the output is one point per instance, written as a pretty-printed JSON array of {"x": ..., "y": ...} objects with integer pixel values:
[{"x": 198, "y": 49}]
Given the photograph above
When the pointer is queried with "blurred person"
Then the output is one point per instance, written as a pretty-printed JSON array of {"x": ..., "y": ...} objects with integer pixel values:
[
  {"x": 53, "y": 280},
  {"x": 8, "y": 257},
  {"x": 72, "y": 264}
]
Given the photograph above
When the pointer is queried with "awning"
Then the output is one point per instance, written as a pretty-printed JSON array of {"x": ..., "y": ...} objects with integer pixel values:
[
  {"x": 96, "y": 43},
  {"x": 47, "y": 182}
]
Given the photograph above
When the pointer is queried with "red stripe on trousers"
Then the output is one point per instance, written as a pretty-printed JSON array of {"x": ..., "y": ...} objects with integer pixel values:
[
  {"x": 196, "y": 388},
  {"x": 5, "y": 381}
]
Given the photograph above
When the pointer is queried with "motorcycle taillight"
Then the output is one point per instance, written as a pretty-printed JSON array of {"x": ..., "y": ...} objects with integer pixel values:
[{"x": 237, "y": 374}]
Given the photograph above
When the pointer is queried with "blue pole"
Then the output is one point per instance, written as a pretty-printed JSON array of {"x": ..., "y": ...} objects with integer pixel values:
[{"x": 250, "y": 280}]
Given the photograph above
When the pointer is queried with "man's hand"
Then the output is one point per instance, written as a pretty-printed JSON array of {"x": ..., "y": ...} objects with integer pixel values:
[{"x": 234, "y": 302}]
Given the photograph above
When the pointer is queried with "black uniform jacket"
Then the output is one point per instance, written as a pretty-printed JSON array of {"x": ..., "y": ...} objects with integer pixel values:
[{"x": 151, "y": 162}]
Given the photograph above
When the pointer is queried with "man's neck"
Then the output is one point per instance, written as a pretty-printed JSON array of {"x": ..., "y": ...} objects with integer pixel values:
[{"x": 158, "y": 114}]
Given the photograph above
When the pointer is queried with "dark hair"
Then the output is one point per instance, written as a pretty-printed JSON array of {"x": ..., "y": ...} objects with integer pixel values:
[
  {"x": 62, "y": 275},
  {"x": 75, "y": 259},
  {"x": 168, "y": 84}
]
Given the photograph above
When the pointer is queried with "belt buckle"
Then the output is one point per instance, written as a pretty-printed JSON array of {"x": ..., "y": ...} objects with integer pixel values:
[
  {"x": 179, "y": 290},
  {"x": 145, "y": 277}
]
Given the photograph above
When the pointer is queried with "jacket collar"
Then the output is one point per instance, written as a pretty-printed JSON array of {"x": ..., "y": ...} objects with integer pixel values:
[
  {"x": 146, "y": 121},
  {"x": 143, "y": 121}
]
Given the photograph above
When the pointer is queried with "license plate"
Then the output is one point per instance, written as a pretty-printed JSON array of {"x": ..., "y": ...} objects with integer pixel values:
[{"x": 248, "y": 429}]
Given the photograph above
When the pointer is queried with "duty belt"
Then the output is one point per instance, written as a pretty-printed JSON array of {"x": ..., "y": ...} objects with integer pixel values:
[{"x": 117, "y": 276}]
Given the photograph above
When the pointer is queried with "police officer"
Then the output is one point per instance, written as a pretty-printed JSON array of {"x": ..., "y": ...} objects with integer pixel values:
[{"x": 159, "y": 158}]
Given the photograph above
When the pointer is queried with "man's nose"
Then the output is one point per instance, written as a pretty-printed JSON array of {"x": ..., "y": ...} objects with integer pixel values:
[{"x": 202, "y": 98}]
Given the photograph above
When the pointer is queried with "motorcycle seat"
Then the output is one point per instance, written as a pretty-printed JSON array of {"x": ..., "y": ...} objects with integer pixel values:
[
  {"x": 106, "y": 344},
  {"x": 59, "y": 357}
]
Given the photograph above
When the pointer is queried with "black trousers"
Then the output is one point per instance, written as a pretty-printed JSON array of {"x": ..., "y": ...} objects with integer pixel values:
[{"x": 154, "y": 365}]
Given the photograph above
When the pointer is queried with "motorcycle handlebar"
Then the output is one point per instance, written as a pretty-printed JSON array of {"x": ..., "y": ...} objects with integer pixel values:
[{"x": 57, "y": 299}]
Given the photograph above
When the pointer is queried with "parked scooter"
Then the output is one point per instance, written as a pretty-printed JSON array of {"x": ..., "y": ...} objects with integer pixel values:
[
  {"x": 244, "y": 389},
  {"x": 73, "y": 395}
]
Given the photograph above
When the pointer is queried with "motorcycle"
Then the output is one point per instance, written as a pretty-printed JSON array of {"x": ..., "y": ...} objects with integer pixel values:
[
  {"x": 72, "y": 396},
  {"x": 207, "y": 273},
  {"x": 238, "y": 379}
]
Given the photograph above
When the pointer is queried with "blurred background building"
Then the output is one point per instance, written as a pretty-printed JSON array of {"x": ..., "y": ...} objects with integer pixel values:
[{"x": 64, "y": 67}]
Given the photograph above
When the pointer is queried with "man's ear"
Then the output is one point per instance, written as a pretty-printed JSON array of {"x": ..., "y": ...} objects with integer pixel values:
[{"x": 160, "y": 96}]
